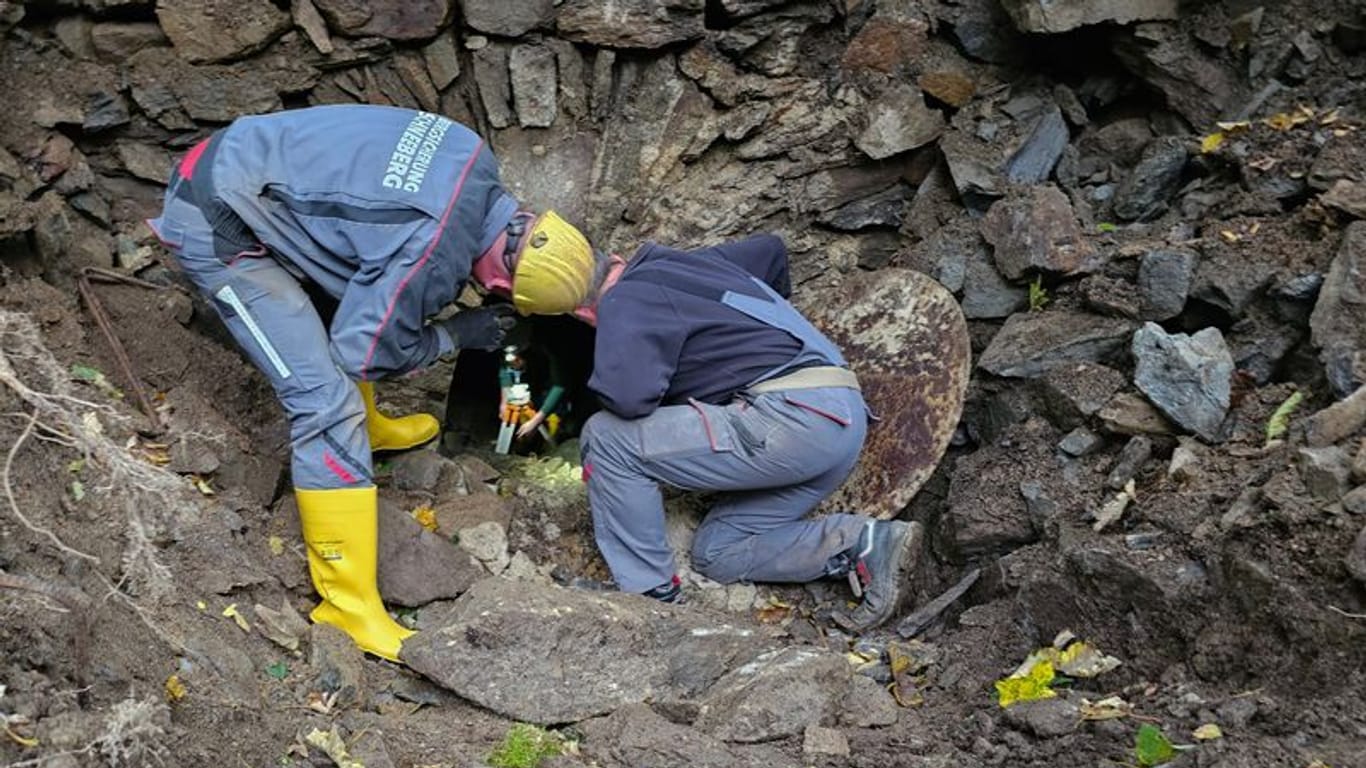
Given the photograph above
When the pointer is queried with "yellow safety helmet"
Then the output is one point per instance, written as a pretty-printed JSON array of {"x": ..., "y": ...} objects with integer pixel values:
[{"x": 554, "y": 272}]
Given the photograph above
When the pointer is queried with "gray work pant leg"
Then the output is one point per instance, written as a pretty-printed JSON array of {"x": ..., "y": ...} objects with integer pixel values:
[
  {"x": 775, "y": 457},
  {"x": 275, "y": 323}
]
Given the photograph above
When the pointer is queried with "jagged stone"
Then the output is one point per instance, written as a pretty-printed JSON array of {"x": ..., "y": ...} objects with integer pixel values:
[
  {"x": 1188, "y": 378},
  {"x": 773, "y": 43},
  {"x": 1131, "y": 459},
  {"x": 608, "y": 650},
  {"x": 443, "y": 61},
  {"x": 145, "y": 161},
  {"x": 636, "y": 736},
  {"x": 1036, "y": 230},
  {"x": 220, "y": 30},
  {"x": 885, "y": 45},
  {"x": 104, "y": 110},
  {"x": 392, "y": 19},
  {"x": 801, "y": 118},
  {"x": 868, "y": 705},
  {"x": 495, "y": 86},
  {"x": 952, "y": 88},
  {"x": 987, "y": 295},
  {"x": 1045, "y": 718},
  {"x": 631, "y": 23},
  {"x": 1338, "y": 323},
  {"x": 573, "y": 95},
  {"x": 217, "y": 93},
  {"x": 1130, "y": 414},
  {"x": 1034, "y": 161},
  {"x": 777, "y": 694},
  {"x": 1339, "y": 420},
  {"x": 1164, "y": 282},
  {"x": 818, "y": 741},
  {"x": 310, "y": 20},
  {"x": 487, "y": 542},
  {"x": 898, "y": 121},
  {"x": 985, "y": 31},
  {"x": 412, "y": 70},
  {"x": 1326, "y": 472},
  {"x": 496, "y": 17},
  {"x": 336, "y": 664},
  {"x": 1355, "y": 560},
  {"x": 1080, "y": 442},
  {"x": 116, "y": 41},
  {"x": 1145, "y": 192},
  {"x": 1196, "y": 85},
  {"x": 534, "y": 85},
  {"x": 1051, "y": 16},
  {"x": 1348, "y": 197},
  {"x": 1072, "y": 393},
  {"x": 415, "y": 565},
  {"x": 418, "y": 470},
  {"x": 1230, "y": 282},
  {"x": 1031, "y": 343},
  {"x": 883, "y": 209}
]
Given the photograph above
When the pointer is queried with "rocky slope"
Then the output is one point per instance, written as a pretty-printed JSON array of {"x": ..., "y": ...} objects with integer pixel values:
[{"x": 1149, "y": 211}]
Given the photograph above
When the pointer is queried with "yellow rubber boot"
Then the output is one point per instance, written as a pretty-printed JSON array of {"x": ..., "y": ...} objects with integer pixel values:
[
  {"x": 399, "y": 434},
  {"x": 341, "y": 529}
]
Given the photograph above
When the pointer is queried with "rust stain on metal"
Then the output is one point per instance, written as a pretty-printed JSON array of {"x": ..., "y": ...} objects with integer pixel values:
[{"x": 905, "y": 336}]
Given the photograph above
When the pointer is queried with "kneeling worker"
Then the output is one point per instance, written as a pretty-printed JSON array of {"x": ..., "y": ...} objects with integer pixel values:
[
  {"x": 712, "y": 381},
  {"x": 381, "y": 214}
]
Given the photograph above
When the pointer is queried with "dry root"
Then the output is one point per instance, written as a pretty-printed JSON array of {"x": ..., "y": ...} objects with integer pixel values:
[{"x": 145, "y": 492}]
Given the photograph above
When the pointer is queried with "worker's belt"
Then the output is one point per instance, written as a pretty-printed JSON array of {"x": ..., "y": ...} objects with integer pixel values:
[{"x": 815, "y": 377}]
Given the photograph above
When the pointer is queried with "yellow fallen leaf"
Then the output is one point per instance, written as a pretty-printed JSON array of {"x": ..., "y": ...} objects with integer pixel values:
[
  {"x": 23, "y": 741},
  {"x": 1211, "y": 143},
  {"x": 1229, "y": 235},
  {"x": 202, "y": 485},
  {"x": 330, "y": 742},
  {"x": 1234, "y": 126},
  {"x": 175, "y": 689},
  {"x": 201, "y": 605},
  {"x": 1329, "y": 118},
  {"x": 1083, "y": 660},
  {"x": 276, "y": 544},
  {"x": 1031, "y": 686},
  {"x": 425, "y": 516},
  {"x": 774, "y": 612},
  {"x": 231, "y": 613},
  {"x": 1208, "y": 732},
  {"x": 1284, "y": 121}
]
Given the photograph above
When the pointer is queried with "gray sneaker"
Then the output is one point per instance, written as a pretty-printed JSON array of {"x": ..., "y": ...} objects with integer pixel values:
[{"x": 883, "y": 562}]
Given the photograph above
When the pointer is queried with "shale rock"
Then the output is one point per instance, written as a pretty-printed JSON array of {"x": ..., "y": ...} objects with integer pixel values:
[
  {"x": 1326, "y": 472},
  {"x": 1034, "y": 161},
  {"x": 1050, "y": 16},
  {"x": 1130, "y": 414},
  {"x": 1196, "y": 85},
  {"x": 898, "y": 121},
  {"x": 1073, "y": 393},
  {"x": 116, "y": 41},
  {"x": 495, "y": 87},
  {"x": 634, "y": 735},
  {"x": 987, "y": 295},
  {"x": 608, "y": 650},
  {"x": 1338, "y": 323},
  {"x": 1036, "y": 230},
  {"x": 631, "y": 23},
  {"x": 1045, "y": 718},
  {"x": 778, "y": 694},
  {"x": 496, "y": 17},
  {"x": 1032, "y": 343},
  {"x": 533, "y": 85},
  {"x": 220, "y": 30},
  {"x": 391, "y": 19},
  {"x": 1164, "y": 282},
  {"x": 415, "y": 565},
  {"x": 1188, "y": 378},
  {"x": 1145, "y": 192}
]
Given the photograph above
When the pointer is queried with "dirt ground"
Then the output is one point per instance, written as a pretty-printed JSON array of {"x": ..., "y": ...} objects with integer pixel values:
[{"x": 1232, "y": 588}]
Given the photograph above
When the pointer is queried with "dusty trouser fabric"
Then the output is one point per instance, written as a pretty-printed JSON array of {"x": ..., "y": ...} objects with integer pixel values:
[
  {"x": 271, "y": 317},
  {"x": 773, "y": 457}
]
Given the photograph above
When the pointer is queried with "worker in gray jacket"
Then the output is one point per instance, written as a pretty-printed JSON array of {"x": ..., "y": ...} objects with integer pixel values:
[
  {"x": 387, "y": 212},
  {"x": 710, "y": 380}
]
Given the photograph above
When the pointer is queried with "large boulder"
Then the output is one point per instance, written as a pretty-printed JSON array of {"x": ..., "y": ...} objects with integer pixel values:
[
  {"x": 221, "y": 30},
  {"x": 1338, "y": 324},
  {"x": 1031, "y": 343},
  {"x": 631, "y": 23},
  {"x": 545, "y": 654},
  {"x": 1188, "y": 378}
]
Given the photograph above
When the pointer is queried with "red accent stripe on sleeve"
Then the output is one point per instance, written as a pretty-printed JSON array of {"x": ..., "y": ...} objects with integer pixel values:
[
  {"x": 337, "y": 468},
  {"x": 440, "y": 230},
  {"x": 192, "y": 159}
]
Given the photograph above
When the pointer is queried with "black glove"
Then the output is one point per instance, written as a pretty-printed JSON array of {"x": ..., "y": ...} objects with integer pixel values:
[{"x": 483, "y": 328}]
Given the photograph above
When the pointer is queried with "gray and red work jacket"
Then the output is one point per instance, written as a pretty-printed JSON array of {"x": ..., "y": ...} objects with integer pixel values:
[{"x": 385, "y": 209}]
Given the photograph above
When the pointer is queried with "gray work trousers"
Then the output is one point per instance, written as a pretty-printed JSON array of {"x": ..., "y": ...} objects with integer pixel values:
[
  {"x": 274, "y": 321},
  {"x": 774, "y": 457}
]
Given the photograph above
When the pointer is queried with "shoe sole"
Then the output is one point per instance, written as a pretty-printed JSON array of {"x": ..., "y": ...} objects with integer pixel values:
[{"x": 907, "y": 557}]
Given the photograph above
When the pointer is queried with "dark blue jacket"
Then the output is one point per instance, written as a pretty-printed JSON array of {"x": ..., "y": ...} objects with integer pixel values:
[{"x": 664, "y": 336}]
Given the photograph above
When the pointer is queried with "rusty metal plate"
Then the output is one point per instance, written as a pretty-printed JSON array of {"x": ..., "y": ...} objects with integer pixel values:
[{"x": 905, "y": 336}]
